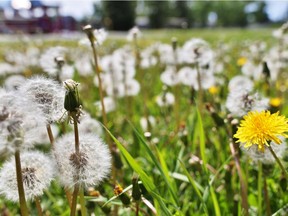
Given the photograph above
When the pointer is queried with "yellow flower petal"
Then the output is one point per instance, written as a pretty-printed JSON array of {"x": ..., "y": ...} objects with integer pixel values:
[{"x": 259, "y": 128}]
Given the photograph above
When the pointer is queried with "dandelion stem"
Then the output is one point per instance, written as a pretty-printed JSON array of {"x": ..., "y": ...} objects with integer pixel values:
[
  {"x": 38, "y": 206},
  {"x": 100, "y": 84},
  {"x": 82, "y": 202},
  {"x": 74, "y": 200},
  {"x": 76, "y": 134},
  {"x": 278, "y": 161},
  {"x": 244, "y": 196},
  {"x": 22, "y": 200},
  {"x": 200, "y": 90},
  {"x": 266, "y": 197},
  {"x": 260, "y": 188},
  {"x": 50, "y": 135},
  {"x": 68, "y": 196},
  {"x": 104, "y": 116}
]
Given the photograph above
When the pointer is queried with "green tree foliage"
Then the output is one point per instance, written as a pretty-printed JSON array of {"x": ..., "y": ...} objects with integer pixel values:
[
  {"x": 119, "y": 15},
  {"x": 158, "y": 13}
]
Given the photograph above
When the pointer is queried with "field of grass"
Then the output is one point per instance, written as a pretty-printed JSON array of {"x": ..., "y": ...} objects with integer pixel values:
[{"x": 170, "y": 132}]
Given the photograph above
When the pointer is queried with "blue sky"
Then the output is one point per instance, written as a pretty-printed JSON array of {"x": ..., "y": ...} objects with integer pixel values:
[
  {"x": 79, "y": 8},
  {"x": 276, "y": 8}
]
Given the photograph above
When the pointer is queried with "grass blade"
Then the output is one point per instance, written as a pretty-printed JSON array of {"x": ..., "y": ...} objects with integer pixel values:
[{"x": 147, "y": 182}]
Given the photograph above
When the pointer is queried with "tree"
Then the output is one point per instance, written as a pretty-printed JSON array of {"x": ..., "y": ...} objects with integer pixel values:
[
  {"x": 158, "y": 13},
  {"x": 119, "y": 15}
]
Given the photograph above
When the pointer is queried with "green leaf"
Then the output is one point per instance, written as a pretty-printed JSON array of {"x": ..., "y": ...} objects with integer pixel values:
[
  {"x": 194, "y": 185},
  {"x": 201, "y": 135},
  {"x": 147, "y": 182},
  {"x": 163, "y": 169}
]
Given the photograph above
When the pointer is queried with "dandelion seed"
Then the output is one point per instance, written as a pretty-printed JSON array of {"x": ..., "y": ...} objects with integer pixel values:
[
  {"x": 13, "y": 82},
  {"x": 134, "y": 32},
  {"x": 165, "y": 99},
  {"x": 89, "y": 167},
  {"x": 89, "y": 125},
  {"x": 47, "y": 94},
  {"x": 18, "y": 118},
  {"x": 240, "y": 82},
  {"x": 240, "y": 102},
  {"x": 47, "y": 60},
  {"x": 260, "y": 128},
  {"x": 109, "y": 104},
  {"x": 37, "y": 172},
  {"x": 266, "y": 157}
]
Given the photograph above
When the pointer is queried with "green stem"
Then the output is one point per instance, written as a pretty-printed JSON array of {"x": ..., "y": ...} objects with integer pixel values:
[
  {"x": 104, "y": 116},
  {"x": 82, "y": 202},
  {"x": 100, "y": 84},
  {"x": 260, "y": 188},
  {"x": 38, "y": 206},
  {"x": 266, "y": 198},
  {"x": 243, "y": 186},
  {"x": 76, "y": 134},
  {"x": 74, "y": 200},
  {"x": 50, "y": 135},
  {"x": 200, "y": 90},
  {"x": 22, "y": 200},
  {"x": 278, "y": 161}
]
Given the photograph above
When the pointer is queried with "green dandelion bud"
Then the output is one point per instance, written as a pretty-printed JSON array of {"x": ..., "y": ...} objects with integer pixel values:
[
  {"x": 72, "y": 101},
  {"x": 136, "y": 192}
]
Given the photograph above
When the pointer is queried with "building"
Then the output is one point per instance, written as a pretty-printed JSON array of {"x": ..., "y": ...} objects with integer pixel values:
[{"x": 33, "y": 17}]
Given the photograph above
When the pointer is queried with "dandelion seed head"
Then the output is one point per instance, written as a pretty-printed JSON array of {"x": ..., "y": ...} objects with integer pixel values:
[
  {"x": 47, "y": 94},
  {"x": 13, "y": 82},
  {"x": 165, "y": 99},
  {"x": 38, "y": 171},
  {"x": 47, "y": 60},
  {"x": 89, "y": 168},
  {"x": 266, "y": 157},
  {"x": 18, "y": 118},
  {"x": 89, "y": 125},
  {"x": 240, "y": 102}
]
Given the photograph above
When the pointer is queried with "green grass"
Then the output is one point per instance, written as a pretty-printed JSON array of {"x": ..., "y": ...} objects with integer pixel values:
[{"x": 185, "y": 167}]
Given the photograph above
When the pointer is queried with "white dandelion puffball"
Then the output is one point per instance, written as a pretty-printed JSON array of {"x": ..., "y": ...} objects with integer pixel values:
[
  {"x": 266, "y": 157},
  {"x": 240, "y": 102},
  {"x": 89, "y": 168},
  {"x": 47, "y": 94},
  {"x": 18, "y": 119},
  {"x": 47, "y": 60},
  {"x": 165, "y": 99},
  {"x": 37, "y": 172},
  {"x": 89, "y": 125}
]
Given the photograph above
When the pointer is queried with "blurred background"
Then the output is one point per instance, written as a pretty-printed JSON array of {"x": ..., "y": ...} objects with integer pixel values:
[{"x": 50, "y": 16}]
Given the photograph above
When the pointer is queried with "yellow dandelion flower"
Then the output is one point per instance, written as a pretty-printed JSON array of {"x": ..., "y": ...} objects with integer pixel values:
[
  {"x": 213, "y": 90},
  {"x": 259, "y": 128},
  {"x": 275, "y": 102},
  {"x": 241, "y": 61}
]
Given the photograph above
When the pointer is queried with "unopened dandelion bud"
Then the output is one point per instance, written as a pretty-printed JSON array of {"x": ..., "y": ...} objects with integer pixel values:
[
  {"x": 266, "y": 70},
  {"x": 88, "y": 29},
  {"x": 136, "y": 192},
  {"x": 116, "y": 158},
  {"x": 174, "y": 43},
  {"x": 72, "y": 101},
  {"x": 118, "y": 191},
  {"x": 283, "y": 183}
]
